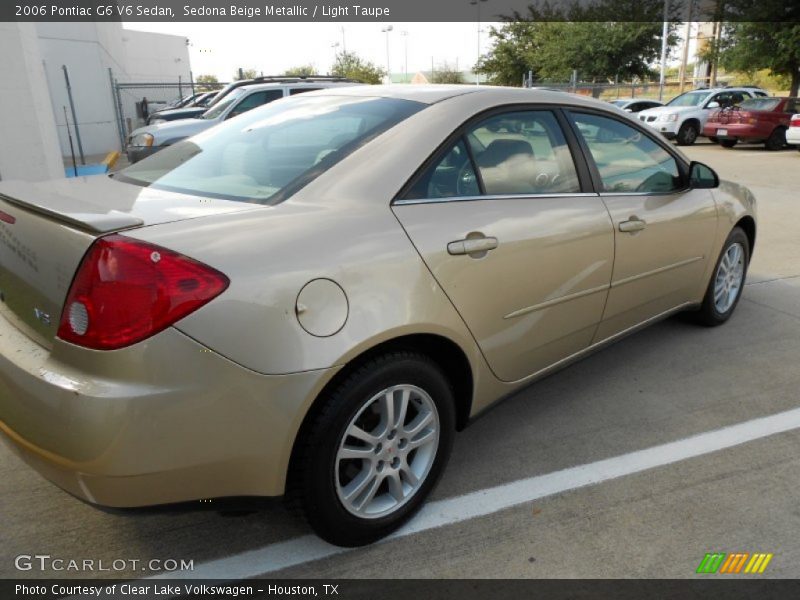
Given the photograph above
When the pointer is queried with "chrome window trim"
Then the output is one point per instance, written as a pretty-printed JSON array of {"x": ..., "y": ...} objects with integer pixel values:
[
  {"x": 669, "y": 193},
  {"x": 403, "y": 201}
]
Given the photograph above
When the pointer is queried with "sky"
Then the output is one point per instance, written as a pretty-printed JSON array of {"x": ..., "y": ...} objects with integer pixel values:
[
  {"x": 221, "y": 48},
  {"x": 271, "y": 48}
]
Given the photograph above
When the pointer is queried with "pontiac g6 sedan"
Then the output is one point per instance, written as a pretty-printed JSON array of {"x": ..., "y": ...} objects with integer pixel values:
[{"x": 313, "y": 298}]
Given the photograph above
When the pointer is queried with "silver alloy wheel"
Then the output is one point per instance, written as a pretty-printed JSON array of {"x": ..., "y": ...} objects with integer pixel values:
[
  {"x": 387, "y": 451},
  {"x": 729, "y": 278}
]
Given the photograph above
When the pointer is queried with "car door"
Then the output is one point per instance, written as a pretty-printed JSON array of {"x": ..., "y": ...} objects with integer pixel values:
[
  {"x": 663, "y": 231},
  {"x": 514, "y": 237}
]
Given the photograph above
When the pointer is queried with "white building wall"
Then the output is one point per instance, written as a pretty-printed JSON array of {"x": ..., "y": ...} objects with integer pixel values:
[
  {"x": 29, "y": 148},
  {"x": 89, "y": 50},
  {"x": 76, "y": 46}
]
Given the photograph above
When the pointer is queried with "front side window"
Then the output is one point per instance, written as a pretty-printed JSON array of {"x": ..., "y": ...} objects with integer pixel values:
[
  {"x": 728, "y": 99},
  {"x": 519, "y": 153},
  {"x": 216, "y": 109},
  {"x": 253, "y": 100},
  {"x": 271, "y": 152},
  {"x": 627, "y": 159}
]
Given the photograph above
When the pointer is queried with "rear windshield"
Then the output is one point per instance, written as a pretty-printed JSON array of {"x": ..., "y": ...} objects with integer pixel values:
[
  {"x": 267, "y": 154},
  {"x": 760, "y": 104}
]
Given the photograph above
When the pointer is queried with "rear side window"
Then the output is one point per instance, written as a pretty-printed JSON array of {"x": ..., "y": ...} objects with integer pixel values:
[
  {"x": 303, "y": 90},
  {"x": 510, "y": 154},
  {"x": 627, "y": 159}
]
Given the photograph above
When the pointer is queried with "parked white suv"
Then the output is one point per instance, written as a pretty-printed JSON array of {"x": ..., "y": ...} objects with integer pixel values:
[
  {"x": 793, "y": 133},
  {"x": 150, "y": 139},
  {"x": 683, "y": 118}
]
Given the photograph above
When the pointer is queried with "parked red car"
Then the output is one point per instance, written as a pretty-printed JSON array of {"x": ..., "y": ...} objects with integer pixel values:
[{"x": 761, "y": 120}]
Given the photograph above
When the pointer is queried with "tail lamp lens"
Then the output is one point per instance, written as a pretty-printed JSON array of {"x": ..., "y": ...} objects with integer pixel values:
[{"x": 126, "y": 290}]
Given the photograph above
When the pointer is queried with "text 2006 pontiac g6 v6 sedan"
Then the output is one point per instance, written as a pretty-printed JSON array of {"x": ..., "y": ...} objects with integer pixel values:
[{"x": 312, "y": 298}]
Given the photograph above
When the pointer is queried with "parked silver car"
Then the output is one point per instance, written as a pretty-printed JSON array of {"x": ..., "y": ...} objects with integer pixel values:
[{"x": 150, "y": 139}]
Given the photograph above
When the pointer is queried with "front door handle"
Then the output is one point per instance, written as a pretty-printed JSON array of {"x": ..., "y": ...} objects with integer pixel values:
[
  {"x": 632, "y": 225},
  {"x": 472, "y": 246}
]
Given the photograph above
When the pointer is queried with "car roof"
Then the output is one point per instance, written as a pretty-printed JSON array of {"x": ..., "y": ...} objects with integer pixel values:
[
  {"x": 295, "y": 84},
  {"x": 432, "y": 94},
  {"x": 735, "y": 88}
]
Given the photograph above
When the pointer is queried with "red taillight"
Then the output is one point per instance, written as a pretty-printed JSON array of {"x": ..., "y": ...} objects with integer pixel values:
[
  {"x": 126, "y": 290},
  {"x": 795, "y": 121}
]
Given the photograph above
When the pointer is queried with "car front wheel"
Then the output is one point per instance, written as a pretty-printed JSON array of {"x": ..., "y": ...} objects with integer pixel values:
[
  {"x": 375, "y": 448},
  {"x": 687, "y": 134},
  {"x": 727, "y": 282}
]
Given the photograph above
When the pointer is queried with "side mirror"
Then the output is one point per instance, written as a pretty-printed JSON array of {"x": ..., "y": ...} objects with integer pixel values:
[
  {"x": 713, "y": 105},
  {"x": 628, "y": 110},
  {"x": 702, "y": 177}
]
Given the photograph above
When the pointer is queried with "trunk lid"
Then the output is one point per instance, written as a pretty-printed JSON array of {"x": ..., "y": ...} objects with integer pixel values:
[{"x": 46, "y": 228}]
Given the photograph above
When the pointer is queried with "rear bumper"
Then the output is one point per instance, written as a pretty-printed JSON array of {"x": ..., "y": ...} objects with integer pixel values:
[
  {"x": 735, "y": 131},
  {"x": 163, "y": 421},
  {"x": 793, "y": 135}
]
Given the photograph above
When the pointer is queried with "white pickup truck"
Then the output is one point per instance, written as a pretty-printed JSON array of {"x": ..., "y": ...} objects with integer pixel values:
[{"x": 682, "y": 118}]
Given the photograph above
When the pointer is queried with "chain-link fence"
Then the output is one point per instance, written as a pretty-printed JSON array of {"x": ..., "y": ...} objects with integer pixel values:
[
  {"x": 651, "y": 90},
  {"x": 134, "y": 101}
]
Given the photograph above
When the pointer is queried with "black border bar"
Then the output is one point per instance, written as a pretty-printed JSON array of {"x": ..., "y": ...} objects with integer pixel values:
[{"x": 276, "y": 11}]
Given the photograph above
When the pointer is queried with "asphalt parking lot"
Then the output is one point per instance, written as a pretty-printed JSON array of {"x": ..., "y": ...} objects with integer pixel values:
[{"x": 665, "y": 384}]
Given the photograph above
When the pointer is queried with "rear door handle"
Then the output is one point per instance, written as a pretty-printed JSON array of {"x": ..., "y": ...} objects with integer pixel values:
[
  {"x": 632, "y": 225},
  {"x": 472, "y": 246}
]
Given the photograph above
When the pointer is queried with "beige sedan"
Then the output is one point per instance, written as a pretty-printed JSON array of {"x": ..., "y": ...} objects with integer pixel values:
[{"x": 312, "y": 298}]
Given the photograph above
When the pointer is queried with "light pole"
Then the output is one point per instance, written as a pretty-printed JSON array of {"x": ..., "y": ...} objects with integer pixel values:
[
  {"x": 664, "y": 34},
  {"x": 386, "y": 30},
  {"x": 477, "y": 5},
  {"x": 335, "y": 46},
  {"x": 405, "y": 70}
]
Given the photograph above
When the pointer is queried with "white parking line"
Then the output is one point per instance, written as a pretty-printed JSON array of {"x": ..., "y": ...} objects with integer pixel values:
[{"x": 297, "y": 551}]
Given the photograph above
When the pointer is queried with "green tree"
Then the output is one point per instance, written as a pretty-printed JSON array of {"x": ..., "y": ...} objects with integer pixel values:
[
  {"x": 599, "y": 49},
  {"x": 352, "y": 66},
  {"x": 245, "y": 74},
  {"x": 772, "y": 42},
  {"x": 444, "y": 73},
  {"x": 206, "y": 83},
  {"x": 301, "y": 71}
]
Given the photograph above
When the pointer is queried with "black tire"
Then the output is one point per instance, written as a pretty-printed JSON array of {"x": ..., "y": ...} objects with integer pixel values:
[
  {"x": 714, "y": 139},
  {"x": 708, "y": 314},
  {"x": 687, "y": 134},
  {"x": 314, "y": 471},
  {"x": 776, "y": 140},
  {"x": 728, "y": 143}
]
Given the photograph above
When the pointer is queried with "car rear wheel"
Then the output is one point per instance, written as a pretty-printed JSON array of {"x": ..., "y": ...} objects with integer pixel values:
[
  {"x": 727, "y": 282},
  {"x": 687, "y": 134},
  {"x": 375, "y": 449},
  {"x": 728, "y": 143},
  {"x": 776, "y": 140}
]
